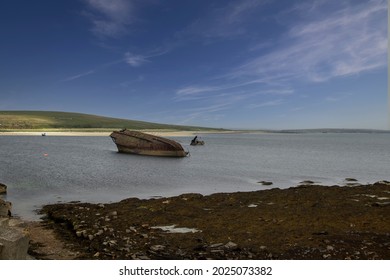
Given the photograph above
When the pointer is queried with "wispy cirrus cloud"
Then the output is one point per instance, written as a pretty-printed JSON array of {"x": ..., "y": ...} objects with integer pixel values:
[
  {"x": 243, "y": 89},
  {"x": 92, "y": 71},
  {"x": 345, "y": 40},
  {"x": 134, "y": 59},
  {"x": 227, "y": 21},
  {"x": 338, "y": 97},
  {"x": 109, "y": 18},
  {"x": 271, "y": 103},
  {"x": 202, "y": 113},
  {"x": 197, "y": 91},
  {"x": 78, "y": 76},
  {"x": 350, "y": 41},
  {"x": 193, "y": 91},
  {"x": 131, "y": 59}
]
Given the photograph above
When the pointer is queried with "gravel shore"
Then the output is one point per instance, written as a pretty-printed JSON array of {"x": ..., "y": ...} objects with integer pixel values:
[{"x": 304, "y": 222}]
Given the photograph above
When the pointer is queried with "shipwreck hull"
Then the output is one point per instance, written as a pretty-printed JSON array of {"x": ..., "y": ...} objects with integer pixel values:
[
  {"x": 197, "y": 143},
  {"x": 135, "y": 142}
]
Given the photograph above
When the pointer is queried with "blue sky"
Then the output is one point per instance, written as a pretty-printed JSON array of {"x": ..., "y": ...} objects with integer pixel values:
[{"x": 258, "y": 64}]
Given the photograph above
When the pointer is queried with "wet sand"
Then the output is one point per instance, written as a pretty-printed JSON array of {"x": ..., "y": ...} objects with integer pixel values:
[{"x": 303, "y": 222}]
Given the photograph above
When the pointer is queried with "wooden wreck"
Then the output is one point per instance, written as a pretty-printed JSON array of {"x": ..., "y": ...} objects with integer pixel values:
[
  {"x": 135, "y": 142},
  {"x": 196, "y": 141}
]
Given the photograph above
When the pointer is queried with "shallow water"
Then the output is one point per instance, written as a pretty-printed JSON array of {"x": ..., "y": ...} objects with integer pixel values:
[{"x": 40, "y": 170}]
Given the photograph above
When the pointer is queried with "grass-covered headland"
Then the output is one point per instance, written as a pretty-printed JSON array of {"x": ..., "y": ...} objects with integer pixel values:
[{"x": 46, "y": 120}]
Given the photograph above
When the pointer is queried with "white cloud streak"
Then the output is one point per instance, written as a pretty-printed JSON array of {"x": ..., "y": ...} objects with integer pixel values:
[
  {"x": 350, "y": 41},
  {"x": 93, "y": 71},
  {"x": 75, "y": 77},
  {"x": 205, "y": 112},
  {"x": 266, "y": 104},
  {"x": 195, "y": 92},
  {"x": 225, "y": 22},
  {"x": 135, "y": 60},
  {"x": 109, "y": 18},
  {"x": 345, "y": 41}
]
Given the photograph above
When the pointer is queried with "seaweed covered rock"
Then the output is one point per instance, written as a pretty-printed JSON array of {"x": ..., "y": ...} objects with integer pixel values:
[{"x": 303, "y": 222}]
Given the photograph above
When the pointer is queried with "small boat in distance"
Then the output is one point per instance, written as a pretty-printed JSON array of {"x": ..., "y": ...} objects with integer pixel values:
[
  {"x": 44, "y": 134},
  {"x": 135, "y": 142},
  {"x": 196, "y": 141}
]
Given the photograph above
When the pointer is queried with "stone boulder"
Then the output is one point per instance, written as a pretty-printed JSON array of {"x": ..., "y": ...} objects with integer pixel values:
[
  {"x": 3, "y": 189},
  {"x": 5, "y": 208}
]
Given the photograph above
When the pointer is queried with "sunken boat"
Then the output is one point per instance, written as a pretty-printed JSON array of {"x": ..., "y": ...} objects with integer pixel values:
[
  {"x": 135, "y": 142},
  {"x": 196, "y": 141}
]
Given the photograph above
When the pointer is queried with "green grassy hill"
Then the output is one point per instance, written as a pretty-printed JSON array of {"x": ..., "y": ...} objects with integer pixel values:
[{"x": 38, "y": 120}]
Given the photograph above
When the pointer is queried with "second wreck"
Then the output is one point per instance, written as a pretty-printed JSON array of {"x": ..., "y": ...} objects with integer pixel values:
[{"x": 135, "y": 142}]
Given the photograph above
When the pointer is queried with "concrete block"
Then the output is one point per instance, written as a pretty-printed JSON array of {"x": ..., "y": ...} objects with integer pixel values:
[{"x": 14, "y": 244}]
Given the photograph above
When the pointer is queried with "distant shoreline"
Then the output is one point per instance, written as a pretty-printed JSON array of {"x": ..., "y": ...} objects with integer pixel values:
[
  {"x": 107, "y": 133},
  {"x": 176, "y": 133}
]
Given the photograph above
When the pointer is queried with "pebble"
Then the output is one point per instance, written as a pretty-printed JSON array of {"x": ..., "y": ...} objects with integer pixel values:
[
  {"x": 143, "y": 257},
  {"x": 231, "y": 245},
  {"x": 216, "y": 251},
  {"x": 216, "y": 245},
  {"x": 350, "y": 180},
  {"x": 329, "y": 248},
  {"x": 380, "y": 204},
  {"x": 320, "y": 233},
  {"x": 307, "y": 182},
  {"x": 265, "y": 183},
  {"x": 157, "y": 247},
  {"x": 383, "y": 183}
]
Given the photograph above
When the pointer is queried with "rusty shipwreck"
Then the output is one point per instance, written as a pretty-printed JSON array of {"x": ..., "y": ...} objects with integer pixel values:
[{"x": 135, "y": 142}]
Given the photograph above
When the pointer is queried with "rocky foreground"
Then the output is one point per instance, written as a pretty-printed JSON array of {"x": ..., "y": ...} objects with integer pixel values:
[{"x": 304, "y": 222}]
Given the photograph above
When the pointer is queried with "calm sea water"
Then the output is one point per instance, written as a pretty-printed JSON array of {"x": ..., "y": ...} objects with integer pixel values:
[{"x": 40, "y": 170}]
